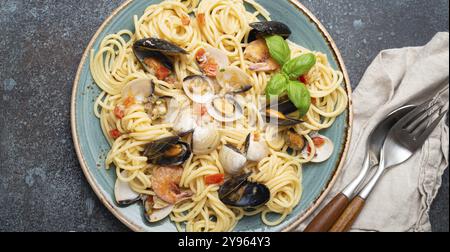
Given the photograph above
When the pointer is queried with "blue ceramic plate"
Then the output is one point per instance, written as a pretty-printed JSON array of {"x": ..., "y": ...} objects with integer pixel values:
[{"x": 92, "y": 147}]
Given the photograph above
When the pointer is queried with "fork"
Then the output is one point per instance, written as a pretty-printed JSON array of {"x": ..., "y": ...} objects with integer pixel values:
[{"x": 406, "y": 137}]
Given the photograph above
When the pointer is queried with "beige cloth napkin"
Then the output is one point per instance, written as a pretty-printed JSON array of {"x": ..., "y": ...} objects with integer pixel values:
[{"x": 402, "y": 199}]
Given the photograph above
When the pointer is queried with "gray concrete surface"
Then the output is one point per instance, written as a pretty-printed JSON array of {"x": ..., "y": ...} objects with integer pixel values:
[{"x": 42, "y": 187}]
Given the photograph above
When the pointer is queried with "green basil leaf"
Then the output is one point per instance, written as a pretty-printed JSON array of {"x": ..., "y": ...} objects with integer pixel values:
[
  {"x": 298, "y": 66},
  {"x": 299, "y": 95},
  {"x": 279, "y": 49},
  {"x": 277, "y": 85}
]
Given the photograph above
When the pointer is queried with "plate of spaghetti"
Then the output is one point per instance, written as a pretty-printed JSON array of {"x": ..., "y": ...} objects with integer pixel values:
[{"x": 211, "y": 115}]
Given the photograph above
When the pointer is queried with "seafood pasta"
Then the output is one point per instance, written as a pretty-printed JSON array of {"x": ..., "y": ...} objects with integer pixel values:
[{"x": 211, "y": 113}]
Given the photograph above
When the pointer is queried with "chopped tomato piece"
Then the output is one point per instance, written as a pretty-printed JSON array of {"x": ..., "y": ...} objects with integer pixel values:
[
  {"x": 130, "y": 101},
  {"x": 162, "y": 73},
  {"x": 201, "y": 19},
  {"x": 215, "y": 179},
  {"x": 211, "y": 69},
  {"x": 303, "y": 79},
  {"x": 185, "y": 20},
  {"x": 318, "y": 141},
  {"x": 201, "y": 55},
  {"x": 115, "y": 133},
  {"x": 119, "y": 113},
  {"x": 314, "y": 101},
  {"x": 204, "y": 110}
]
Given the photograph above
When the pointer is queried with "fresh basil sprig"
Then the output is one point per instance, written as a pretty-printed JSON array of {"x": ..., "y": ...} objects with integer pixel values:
[
  {"x": 296, "y": 67},
  {"x": 278, "y": 48},
  {"x": 292, "y": 69},
  {"x": 277, "y": 85},
  {"x": 300, "y": 96}
]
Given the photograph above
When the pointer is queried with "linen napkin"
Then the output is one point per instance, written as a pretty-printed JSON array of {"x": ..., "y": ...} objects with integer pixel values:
[{"x": 397, "y": 77}]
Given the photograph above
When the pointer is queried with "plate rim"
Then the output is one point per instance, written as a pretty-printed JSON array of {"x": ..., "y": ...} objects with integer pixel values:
[{"x": 298, "y": 219}]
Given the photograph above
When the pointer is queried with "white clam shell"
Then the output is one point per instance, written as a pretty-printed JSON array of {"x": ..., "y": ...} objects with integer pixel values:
[
  {"x": 232, "y": 161},
  {"x": 324, "y": 152},
  {"x": 214, "y": 113},
  {"x": 160, "y": 214},
  {"x": 123, "y": 192},
  {"x": 257, "y": 150},
  {"x": 218, "y": 55},
  {"x": 195, "y": 95},
  {"x": 205, "y": 139},
  {"x": 232, "y": 78},
  {"x": 185, "y": 122},
  {"x": 159, "y": 203},
  {"x": 140, "y": 89}
]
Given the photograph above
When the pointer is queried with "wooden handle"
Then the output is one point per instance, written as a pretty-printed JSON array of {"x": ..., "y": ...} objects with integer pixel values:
[
  {"x": 329, "y": 214},
  {"x": 345, "y": 222}
]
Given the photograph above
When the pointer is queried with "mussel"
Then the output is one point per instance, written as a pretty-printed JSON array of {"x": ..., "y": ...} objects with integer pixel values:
[
  {"x": 232, "y": 159},
  {"x": 239, "y": 192},
  {"x": 294, "y": 140},
  {"x": 256, "y": 147},
  {"x": 123, "y": 193},
  {"x": 153, "y": 54},
  {"x": 225, "y": 109},
  {"x": 267, "y": 28},
  {"x": 234, "y": 80},
  {"x": 278, "y": 113},
  {"x": 200, "y": 89},
  {"x": 169, "y": 151}
]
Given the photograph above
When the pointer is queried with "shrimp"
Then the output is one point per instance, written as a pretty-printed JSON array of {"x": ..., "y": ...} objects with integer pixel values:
[{"x": 165, "y": 183}]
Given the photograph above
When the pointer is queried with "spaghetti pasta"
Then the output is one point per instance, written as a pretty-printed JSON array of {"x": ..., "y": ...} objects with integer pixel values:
[{"x": 222, "y": 24}]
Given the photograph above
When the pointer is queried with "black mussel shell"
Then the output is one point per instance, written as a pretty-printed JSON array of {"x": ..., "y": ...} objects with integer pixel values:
[
  {"x": 157, "y": 148},
  {"x": 267, "y": 28},
  {"x": 278, "y": 113},
  {"x": 243, "y": 89},
  {"x": 141, "y": 55},
  {"x": 159, "y": 45},
  {"x": 157, "y": 151},
  {"x": 233, "y": 184},
  {"x": 248, "y": 195}
]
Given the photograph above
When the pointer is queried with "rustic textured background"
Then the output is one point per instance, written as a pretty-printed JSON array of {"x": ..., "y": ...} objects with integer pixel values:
[{"x": 42, "y": 187}]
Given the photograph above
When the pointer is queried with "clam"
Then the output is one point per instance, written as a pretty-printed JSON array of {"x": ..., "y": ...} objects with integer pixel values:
[
  {"x": 153, "y": 54},
  {"x": 154, "y": 213},
  {"x": 232, "y": 159},
  {"x": 140, "y": 89},
  {"x": 211, "y": 60},
  {"x": 324, "y": 148},
  {"x": 205, "y": 140},
  {"x": 124, "y": 195},
  {"x": 256, "y": 147},
  {"x": 168, "y": 151},
  {"x": 225, "y": 109},
  {"x": 199, "y": 89},
  {"x": 185, "y": 123},
  {"x": 267, "y": 28},
  {"x": 239, "y": 192},
  {"x": 278, "y": 114},
  {"x": 234, "y": 80},
  {"x": 173, "y": 108}
]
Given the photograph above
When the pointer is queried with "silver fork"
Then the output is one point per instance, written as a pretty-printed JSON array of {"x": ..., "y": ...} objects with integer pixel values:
[{"x": 406, "y": 137}]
